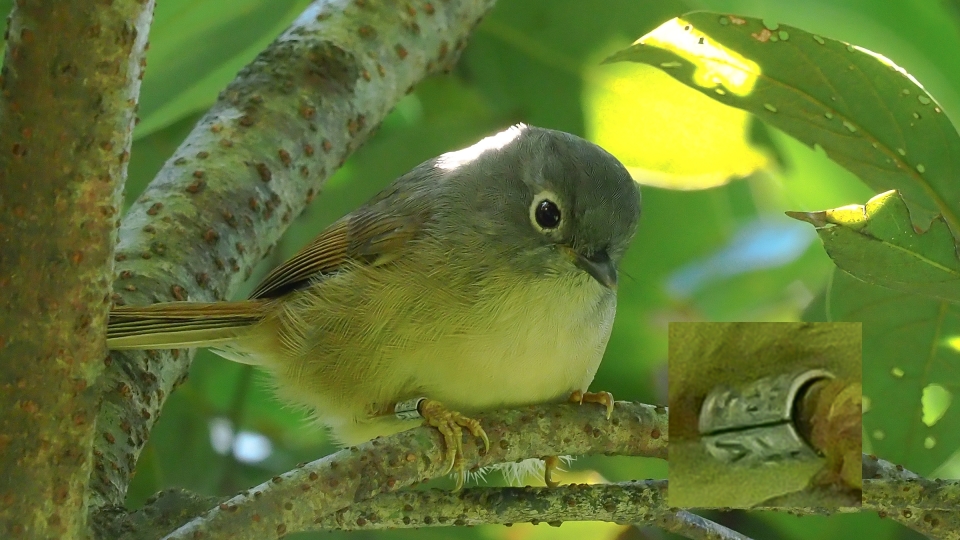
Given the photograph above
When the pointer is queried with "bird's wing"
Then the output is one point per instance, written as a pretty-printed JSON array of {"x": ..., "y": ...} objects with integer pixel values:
[{"x": 371, "y": 236}]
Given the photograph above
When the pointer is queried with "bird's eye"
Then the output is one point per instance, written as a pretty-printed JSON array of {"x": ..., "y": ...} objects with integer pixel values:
[{"x": 547, "y": 214}]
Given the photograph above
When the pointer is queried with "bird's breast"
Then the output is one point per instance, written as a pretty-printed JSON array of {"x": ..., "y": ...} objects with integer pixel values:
[
  {"x": 533, "y": 342},
  {"x": 360, "y": 342}
]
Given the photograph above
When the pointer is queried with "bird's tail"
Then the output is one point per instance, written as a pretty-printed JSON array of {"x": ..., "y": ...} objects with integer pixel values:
[{"x": 174, "y": 325}]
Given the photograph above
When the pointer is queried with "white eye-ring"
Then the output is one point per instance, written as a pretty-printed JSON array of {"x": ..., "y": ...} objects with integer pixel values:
[{"x": 545, "y": 212}]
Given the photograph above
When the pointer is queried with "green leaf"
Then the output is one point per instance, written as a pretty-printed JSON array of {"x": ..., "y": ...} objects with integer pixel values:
[
  {"x": 878, "y": 244},
  {"x": 911, "y": 344},
  {"x": 869, "y": 115}
]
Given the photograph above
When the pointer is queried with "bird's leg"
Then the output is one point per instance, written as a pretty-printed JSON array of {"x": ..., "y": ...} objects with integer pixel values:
[
  {"x": 552, "y": 463},
  {"x": 603, "y": 398},
  {"x": 450, "y": 424}
]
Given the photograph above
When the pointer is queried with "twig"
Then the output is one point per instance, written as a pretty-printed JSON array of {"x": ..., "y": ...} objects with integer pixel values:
[
  {"x": 627, "y": 502},
  {"x": 294, "y": 501},
  {"x": 640, "y": 503},
  {"x": 696, "y": 527},
  {"x": 931, "y": 507}
]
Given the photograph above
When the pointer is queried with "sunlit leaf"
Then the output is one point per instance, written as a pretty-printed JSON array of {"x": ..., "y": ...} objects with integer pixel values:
[
  {"x": 877, "y": 243},
  {"x": 667, "y": 135},
  {"x": 908, "y": 344},
  {"x": 867, "y": 114}
]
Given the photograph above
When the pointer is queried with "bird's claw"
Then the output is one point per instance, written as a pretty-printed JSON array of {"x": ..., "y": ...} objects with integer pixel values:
[
  {"x": 451, "y": 424},
  {"x": 603, "y": 398},
  {"x": 551, "y": 464}
]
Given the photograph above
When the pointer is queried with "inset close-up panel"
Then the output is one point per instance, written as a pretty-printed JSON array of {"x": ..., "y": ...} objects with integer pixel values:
[{"x": 765, "y": 414}]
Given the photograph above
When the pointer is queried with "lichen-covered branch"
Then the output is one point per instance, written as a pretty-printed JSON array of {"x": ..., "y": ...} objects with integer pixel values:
[
  {"x": 161, "y": 514},
  {"x": 917, "y": 493},
  {"x": 927, "y": 506},
  {"x": 639, "y": 503},
  {"x": 626, "y": 502},
  {"x": 690, "y": 525},
  {"x": 931, "y": 507},
  {"x": 251, "y": 164},
  {"x": 66, "y": 118},
  {"x": 299, "y": 499}
]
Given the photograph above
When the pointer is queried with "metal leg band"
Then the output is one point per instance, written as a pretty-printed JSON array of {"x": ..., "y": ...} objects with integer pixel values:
[
  {"x": 408, "y": 409},
  {"x": 753, "y": 424}
]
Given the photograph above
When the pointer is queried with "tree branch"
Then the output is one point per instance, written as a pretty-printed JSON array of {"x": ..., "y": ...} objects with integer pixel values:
[
  {"x": 696, "y": 527},
  {"x": 294, "y": 501},
  {"x": 386, "y": 464},
  {"x": 639, "y": 503},
  {"x": 916, "y": 493},
  {"x": 66, "y": 118},
  {"x": 627, "y": 502},
  {"x": 926, "y": 506},
  {"x": 251, "y": 164}
]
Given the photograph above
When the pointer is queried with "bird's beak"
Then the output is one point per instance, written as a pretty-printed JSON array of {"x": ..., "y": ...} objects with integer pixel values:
[{"x": 598, "y": 265}]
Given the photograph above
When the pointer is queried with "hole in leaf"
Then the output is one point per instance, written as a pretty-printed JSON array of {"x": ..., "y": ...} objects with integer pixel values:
[{"x": 935, "y": 400}]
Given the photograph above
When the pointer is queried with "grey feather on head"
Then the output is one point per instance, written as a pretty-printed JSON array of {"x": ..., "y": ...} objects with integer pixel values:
[{"x": 529, "y": 191}]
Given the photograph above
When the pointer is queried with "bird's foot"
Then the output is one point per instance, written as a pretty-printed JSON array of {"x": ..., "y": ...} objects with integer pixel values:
[
  {"x": 451, "y": 424},
  {"x": 603, "y": 398},
  {"x": 551, "y": 464}
]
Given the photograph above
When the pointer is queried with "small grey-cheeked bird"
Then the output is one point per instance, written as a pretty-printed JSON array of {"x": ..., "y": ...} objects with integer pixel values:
[{"x": 481, "y": 279}]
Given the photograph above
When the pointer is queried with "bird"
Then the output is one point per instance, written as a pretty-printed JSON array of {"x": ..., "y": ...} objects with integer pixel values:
[{"x": 483, "y": 278}]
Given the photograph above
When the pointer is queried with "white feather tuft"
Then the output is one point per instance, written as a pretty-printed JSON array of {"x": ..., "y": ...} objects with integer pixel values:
[{"x": 516, "y": 474}]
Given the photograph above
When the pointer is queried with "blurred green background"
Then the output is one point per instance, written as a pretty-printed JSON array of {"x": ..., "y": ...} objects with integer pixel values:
[{"x": 720, "y": 254}]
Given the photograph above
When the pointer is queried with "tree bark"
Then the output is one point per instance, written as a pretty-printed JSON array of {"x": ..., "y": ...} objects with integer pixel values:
[{"x": 70, "y": 82}]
